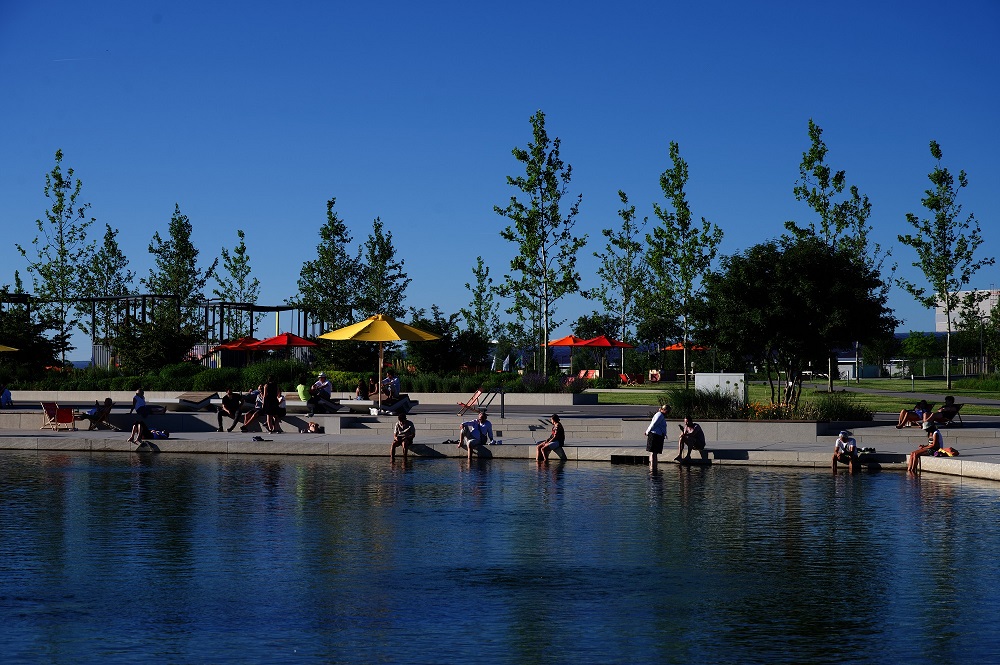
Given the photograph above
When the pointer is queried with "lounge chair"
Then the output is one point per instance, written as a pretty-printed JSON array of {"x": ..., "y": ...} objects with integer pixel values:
[
  {"x": 946, "y": 418},
  {"x": 55, "y": 417},
  {"x": 99, "y": 418},
  {"x": 471, "y": 403}
]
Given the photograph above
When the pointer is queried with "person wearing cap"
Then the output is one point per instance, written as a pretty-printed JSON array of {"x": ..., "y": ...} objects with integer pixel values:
[
  {"x": 320, "y": 392},
  {"x": 845, "y": 450},
  {"x": 935, "y": 442}
]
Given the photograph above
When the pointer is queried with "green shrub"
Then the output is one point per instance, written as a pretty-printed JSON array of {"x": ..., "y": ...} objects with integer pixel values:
[
  {"x": 989, "y": 383},
  {"x": 834, "y": 406},
  {"x": 126, "y": 383},
  {"x": 285, "y": 373},
  {"x": 218, "y": 379}
]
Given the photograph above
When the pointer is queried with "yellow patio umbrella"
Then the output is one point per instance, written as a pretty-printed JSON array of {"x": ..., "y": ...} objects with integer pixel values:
[
  {"x": 380, "y": 328},
  {"x": 6, "y": 348}
]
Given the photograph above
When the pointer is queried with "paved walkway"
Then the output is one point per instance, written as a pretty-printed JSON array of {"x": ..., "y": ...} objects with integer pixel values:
[{"x": 978, "y": 442}]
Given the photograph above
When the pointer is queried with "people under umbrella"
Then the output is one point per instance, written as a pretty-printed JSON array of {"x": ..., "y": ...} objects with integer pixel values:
[{"x": 319, "y": 395}]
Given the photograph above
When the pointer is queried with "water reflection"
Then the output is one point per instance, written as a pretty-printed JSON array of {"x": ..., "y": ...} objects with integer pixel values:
[{"x": 359, "y": 560}]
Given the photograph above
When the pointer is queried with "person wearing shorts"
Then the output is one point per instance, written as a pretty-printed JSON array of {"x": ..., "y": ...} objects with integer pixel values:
[
  {"x": 656, "y": 433},
  {"x": 556, "y": 440}
]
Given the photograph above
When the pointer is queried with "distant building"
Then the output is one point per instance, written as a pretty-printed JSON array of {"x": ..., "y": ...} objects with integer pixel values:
[{"x": 985, "y": 307}]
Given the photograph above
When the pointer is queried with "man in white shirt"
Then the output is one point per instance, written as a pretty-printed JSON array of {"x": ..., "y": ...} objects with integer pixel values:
[
  {"x": 475, "y": 432},
  {"x": 320, "y": 393},
  {"x": 845, "y": 450}
]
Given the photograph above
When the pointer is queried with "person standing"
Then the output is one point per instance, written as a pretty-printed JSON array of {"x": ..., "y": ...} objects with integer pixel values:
[
  {"x": 556, "y": 440},
  {"x": 845, "y": 450},
  {"x": 475, "y": 432},
  {"x": 656, "y": 433}
]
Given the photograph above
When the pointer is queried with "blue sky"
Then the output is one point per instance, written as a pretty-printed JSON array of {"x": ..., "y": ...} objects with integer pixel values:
[{"x": 251, "y": 115}]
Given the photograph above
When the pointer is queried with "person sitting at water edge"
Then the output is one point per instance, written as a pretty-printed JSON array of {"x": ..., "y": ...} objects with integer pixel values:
[
  {"x": 907, "y": 417},
  {"x": 845, "y": 450},
  {"x": 403, "y": 433},
  {"x": 142, "y": 432},
  {"x": 656, "y": 433},
  {"x": 691, "y": 436},
  {"x": 231, "y": 406},
  {"x": 475, "y": 432},
  {"x": 557, "y": 437},
  {"x": 934, "y": 443}
]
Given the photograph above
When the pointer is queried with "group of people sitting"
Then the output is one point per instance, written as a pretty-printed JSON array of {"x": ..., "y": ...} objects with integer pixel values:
[
  {"x": 921, "y": 413},
  {"x": 691, "y": 436}
]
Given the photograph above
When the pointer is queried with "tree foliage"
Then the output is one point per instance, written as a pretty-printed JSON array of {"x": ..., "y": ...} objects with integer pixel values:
[
  {"x": 946, "y": 245},
  {"x": 19, "y": 330},
  {"x": 456, "y": 349},
  {"x": 782, "y": 305},
  {"x": 544, "y": 269},
  {"x": 176, "y": 272},
  {"x": 328, "y": 283},
  {"x": 107, "y": 276},
  {"x": 238, "y": 285},
  {"x": 482, "y": 315},
  {"x": 680, "y": 253},
  {"x": 623, "y": 270},
  {"x": 61, "y": 255},
  {"x": 382, "y": 289}
]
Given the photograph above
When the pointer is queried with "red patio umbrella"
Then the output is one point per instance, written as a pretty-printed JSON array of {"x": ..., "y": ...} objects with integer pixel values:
[
  {"x": 238, "y": 344},
  {"x": 677, "y": 346},
  {"x": 608, "y": 343},
  {"x": 570, "y": 341},
  {"x": 282, "y": 341}
]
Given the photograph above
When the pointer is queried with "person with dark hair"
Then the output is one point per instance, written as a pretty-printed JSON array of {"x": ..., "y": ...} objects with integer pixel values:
[
  {"x": 556, "y": 440},
  {"x": 361, "y": 391},
  {"x": 691, "y": 436},
  {"x": 231, "y": 406},
  {"x": 656, "y": 433},
  {"x": 403, "y": 433},
  {"x": 272, "y": 408}
]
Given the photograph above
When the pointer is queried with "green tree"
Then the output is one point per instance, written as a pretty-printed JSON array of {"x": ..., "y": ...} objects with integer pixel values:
[
  {"x": 61, "y": 255},
  {"x": 18, "y": 330},
  {"x": 919, "y": 346},
  {"x": 946, "y": 245},
  {"x": 237, "y": 285},
  {"x": 680, "y": 253},
  {"x": 623, "y": 270},
  {"x": 176, "y": 273},
  {"x": 544, "y": 269},
  {"x": 328, "y": 283},
  {"x": 842, "y": 219},
  {"x": 107, "y": 276},
  {"x": 383, "y": 285},
  {"x": 828, "y": 298},
  {"x": 482, "y": 314},
  {"x": 455, "y": 349}
]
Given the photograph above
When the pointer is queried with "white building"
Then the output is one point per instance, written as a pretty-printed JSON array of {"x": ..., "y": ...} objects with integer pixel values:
[{"x": 984, "y": 306}]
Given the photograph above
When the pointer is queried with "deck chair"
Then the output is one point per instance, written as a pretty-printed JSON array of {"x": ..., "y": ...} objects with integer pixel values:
[
  {"x": 99, "y": 418},
  {"x": 55, "y": 417},
  {"x": 947, "y": 418},
  {"x": 471, "y": 403}
]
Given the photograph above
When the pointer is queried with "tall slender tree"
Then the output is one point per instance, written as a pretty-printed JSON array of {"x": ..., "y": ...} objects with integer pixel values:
[
  {"x": 623, "y": 269},
  {"x": 383, "y": 286},
  {"x": 237, "y": 285},
  {"x": 841, "y": 219},
  {"x": 544, "y": 269},
  {"x": 482, "y": 314},
  {"x": 107, "y": 276},
  {"x": 946, "y": 245},
  {"x": 328, "y": 283},
  {"x": 680, "y": 251},
  {"x": 61, "y": 252}
]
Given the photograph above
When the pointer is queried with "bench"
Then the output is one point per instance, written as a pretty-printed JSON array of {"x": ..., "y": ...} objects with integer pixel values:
[{"x": 401, "y": 405}]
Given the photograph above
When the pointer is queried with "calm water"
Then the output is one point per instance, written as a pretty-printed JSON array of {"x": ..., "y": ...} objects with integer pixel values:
[{"x": 169, "y": 558}]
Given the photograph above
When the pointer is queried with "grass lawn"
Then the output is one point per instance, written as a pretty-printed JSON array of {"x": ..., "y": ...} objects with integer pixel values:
[{"x": 652, "y": 395}]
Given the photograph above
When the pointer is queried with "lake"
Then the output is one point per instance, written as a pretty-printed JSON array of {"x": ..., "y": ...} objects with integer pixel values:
[{"x": 172, "y": 558}]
